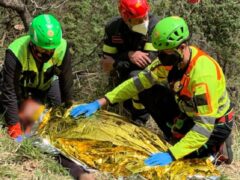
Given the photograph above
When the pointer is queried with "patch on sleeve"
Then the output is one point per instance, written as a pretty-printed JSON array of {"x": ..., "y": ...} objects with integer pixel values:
[
  {"x": 202, "y": 99},
  {"x": 117, "y": 39}
]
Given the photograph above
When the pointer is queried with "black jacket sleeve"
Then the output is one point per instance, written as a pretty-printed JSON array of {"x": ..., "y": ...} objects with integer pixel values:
[
  {"x": 66, "y": 78},
  {"x": 11, "y": 74}
]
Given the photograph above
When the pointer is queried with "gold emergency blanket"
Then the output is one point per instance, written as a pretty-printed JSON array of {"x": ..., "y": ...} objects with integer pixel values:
[{"x": 108, "y": 143}]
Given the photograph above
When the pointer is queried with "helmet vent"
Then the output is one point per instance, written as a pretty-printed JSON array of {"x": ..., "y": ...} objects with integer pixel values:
[
  {"x": 170, "y": 38},
  {"x": 181, "y": 29},
  {"x": 176, "y": 33},
  {"x": 179, "y": 38},
  {"x": 167, "y": 44}
]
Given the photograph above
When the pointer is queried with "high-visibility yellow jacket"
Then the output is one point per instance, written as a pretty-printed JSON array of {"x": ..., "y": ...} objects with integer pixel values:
[
  {"x": 201, "y": 94},
  {"x": 38, "y": 80}
]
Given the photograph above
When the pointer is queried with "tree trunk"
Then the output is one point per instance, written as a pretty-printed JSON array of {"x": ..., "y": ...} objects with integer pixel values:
[{"x": 21, "y": 9}]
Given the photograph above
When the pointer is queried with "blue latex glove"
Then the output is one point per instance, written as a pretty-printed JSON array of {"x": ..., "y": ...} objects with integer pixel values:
[
  {"x": 19, "y": 139},
  {"x": 85, "y": 109},
  {"x": 161, "y": 159}
]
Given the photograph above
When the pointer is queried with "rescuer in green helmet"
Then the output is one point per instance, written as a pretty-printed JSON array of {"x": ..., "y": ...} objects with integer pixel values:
[{"x": 37, "y": 66}]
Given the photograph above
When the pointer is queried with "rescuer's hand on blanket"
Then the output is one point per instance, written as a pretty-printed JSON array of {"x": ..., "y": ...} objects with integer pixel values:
[
  {"x": 161, "y": 158},
  {"x": 85, "y": 109}
]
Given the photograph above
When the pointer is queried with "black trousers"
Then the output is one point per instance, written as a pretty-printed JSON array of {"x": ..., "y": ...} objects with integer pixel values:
[
  {"x": 160, "y": 103},
  {"x": 75, "y": 170},
  {"x": 123, "y": 71}
]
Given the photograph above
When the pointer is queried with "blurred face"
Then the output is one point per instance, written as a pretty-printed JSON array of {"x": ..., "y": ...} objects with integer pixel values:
[{"x": 29, "y": 112}]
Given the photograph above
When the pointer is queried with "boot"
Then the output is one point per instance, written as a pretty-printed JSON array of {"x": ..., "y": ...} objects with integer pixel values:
[{"x": 225, "y": 153}]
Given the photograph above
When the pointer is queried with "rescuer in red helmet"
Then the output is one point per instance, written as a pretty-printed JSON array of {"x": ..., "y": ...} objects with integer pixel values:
[{"x": 128, "y": 49}]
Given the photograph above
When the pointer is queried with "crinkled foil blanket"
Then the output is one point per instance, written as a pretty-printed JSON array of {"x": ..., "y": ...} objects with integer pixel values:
[{"x": 109, "y": 143}]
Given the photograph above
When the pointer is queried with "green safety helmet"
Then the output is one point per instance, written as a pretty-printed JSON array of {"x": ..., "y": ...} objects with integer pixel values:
[
  {"x": 169, "y": 33},
  {"x": 45, "y": 31}
]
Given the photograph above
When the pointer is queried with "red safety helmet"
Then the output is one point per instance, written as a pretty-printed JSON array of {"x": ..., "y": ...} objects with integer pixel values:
[{"x": 131, "y": 9}]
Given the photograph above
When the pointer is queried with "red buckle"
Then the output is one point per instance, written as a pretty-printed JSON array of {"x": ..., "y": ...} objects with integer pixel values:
[
  {"x": 226, "y": 118},
  {"x": 177, "y": 135}
]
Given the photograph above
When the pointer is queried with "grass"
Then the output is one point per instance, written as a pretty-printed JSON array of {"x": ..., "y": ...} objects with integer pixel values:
[{"x": 23, "y": 161}]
